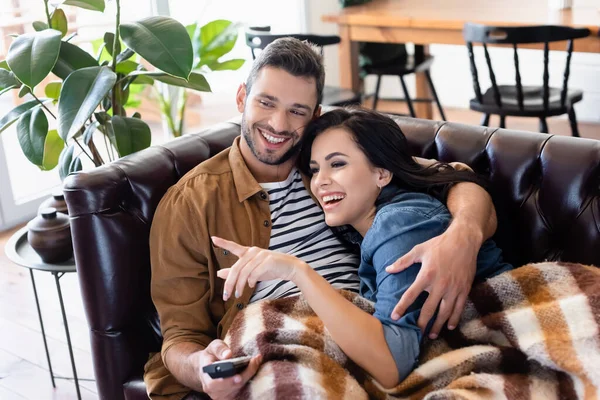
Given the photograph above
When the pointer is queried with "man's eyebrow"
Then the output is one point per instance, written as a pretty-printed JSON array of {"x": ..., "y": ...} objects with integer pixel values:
[
  {"x": 275, "y": 99},
  {"x": 268, "y": 96},
  {"x": 331, "y": 155},
  {"x": 304, "y": 106}
]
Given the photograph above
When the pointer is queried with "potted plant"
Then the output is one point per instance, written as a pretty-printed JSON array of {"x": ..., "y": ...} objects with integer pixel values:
[
  {"x": 211, "y": 42},
  {"x": 83, "y": 113}
]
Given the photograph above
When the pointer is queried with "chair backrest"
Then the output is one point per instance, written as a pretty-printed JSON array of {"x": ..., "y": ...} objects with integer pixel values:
[
  {"x": 484, "y": 35},
  {"x": 259, "y": 37}
]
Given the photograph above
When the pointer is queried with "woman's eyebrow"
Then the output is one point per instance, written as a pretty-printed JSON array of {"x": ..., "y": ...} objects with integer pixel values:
[{"x": 336, "y": 153}]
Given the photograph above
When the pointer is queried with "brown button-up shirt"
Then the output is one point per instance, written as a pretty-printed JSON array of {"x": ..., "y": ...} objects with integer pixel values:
[{"x": 219, "y": 197}]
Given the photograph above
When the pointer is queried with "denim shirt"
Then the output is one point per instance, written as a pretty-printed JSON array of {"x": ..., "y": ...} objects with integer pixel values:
[{"x": 403, "y": 221}]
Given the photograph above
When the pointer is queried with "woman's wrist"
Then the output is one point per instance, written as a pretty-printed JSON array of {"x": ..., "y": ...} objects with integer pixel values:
[{"x": 301, "y": 273}]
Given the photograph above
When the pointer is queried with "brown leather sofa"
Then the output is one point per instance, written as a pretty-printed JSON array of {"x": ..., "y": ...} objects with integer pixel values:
[{"x": 546, "y": 190}]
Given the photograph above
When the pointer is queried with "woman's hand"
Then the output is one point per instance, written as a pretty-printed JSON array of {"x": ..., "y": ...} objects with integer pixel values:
[{"x": 255, "y": 264}]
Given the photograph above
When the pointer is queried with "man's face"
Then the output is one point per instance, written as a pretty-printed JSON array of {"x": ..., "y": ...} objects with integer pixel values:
[{"x": 275, "y": 113}]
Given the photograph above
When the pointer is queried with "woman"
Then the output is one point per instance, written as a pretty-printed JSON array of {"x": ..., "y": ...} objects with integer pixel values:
[{"x": 364, "y": 177}]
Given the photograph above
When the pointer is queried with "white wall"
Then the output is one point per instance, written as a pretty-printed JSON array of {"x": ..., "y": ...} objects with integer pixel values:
[{"x": 452, "y": 76}]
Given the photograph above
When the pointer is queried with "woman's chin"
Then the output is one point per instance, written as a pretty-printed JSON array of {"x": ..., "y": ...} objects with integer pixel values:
[{"x": 331, "y": 220}]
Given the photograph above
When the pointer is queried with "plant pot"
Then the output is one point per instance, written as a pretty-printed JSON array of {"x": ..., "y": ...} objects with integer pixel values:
[
  {"x": 49, "y": 234},
  {"x": 57, "y": 200}
]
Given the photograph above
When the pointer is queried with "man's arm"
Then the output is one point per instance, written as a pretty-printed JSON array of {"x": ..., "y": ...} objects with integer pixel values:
[
  {"x": 180, "y": 284},
  {"x": 449, "y": 260}
]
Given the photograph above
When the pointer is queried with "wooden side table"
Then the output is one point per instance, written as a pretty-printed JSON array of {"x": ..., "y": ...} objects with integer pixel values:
[{"x": 20, "y": 252}]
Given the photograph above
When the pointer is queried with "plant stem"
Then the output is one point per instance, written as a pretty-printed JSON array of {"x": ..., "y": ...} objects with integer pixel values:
[
  {"x": 97, "y": 157},
  {"x": 48, "y": 14},
  {"x": 83, "y": 150},
  {"x": 43, "y": 105},
  {"x": 165, "y": 106},
  {"x": 182, "y": 111},
  {"x": 117, "y": 87},
  {"x": 107, "y": 149},
  {"x": 117, "y": 40}
]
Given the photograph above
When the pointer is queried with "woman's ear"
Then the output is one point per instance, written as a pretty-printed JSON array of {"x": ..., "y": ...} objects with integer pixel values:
[{"x": 384, "y": 177}]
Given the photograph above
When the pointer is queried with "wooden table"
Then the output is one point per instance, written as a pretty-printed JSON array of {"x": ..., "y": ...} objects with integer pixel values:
[{"x": 426, "y": 22}]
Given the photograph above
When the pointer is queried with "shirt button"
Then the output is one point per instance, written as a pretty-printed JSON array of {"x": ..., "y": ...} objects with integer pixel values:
[
  {"x": 266, "y": 223},
  {"x": 225, "y": 252},
  {"x": 239, "y": 306},
  {"x": 263, "y": 195}
]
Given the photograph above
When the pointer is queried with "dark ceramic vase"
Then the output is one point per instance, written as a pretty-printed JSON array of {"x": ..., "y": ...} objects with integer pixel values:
[
  {"x": 49, "y": 234},
  {"x": 57, "y": 200}
]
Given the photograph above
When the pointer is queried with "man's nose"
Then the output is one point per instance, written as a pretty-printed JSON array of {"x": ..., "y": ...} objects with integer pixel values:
[{"x": 279, "y": 121}]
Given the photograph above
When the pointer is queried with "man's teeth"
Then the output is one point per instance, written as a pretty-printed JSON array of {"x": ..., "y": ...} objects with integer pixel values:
[
  {"x": 272, "y": 139},
  {"x": 327, "y": 199}
]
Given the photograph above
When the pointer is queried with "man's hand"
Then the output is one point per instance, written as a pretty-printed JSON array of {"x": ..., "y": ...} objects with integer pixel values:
[
  {"x": 223, "y": 388},
  {"x": 447, "y": 273}
]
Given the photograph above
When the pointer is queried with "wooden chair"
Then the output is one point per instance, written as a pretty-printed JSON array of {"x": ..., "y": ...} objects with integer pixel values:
[
  {"x": 417, "y": 62},
  {"x": 260, "y": 37},
  {"x": 518, "y": 100}
]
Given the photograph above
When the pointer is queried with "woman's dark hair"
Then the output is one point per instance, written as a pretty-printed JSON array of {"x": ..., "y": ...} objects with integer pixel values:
[{"x": 385, "y": 146}]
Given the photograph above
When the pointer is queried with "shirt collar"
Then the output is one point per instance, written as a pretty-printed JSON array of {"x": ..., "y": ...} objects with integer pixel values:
[{"x": 245, "y": 183}]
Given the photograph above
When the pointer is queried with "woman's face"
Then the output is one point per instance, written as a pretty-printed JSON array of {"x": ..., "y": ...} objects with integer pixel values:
[{"x": 344, "y": 181}]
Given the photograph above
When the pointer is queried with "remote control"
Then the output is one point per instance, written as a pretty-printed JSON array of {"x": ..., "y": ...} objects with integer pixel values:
[{"x": 227, "y": 368}]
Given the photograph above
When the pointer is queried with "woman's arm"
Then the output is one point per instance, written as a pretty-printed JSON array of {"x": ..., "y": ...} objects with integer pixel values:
[{"x": 359, "y": 334}]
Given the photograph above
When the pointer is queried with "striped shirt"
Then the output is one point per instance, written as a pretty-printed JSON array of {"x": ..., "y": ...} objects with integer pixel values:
[{"x": 299, "y": 229}]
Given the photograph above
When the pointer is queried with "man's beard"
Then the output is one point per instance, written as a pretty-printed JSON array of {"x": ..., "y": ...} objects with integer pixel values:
[{"x": 267, "y": 157}]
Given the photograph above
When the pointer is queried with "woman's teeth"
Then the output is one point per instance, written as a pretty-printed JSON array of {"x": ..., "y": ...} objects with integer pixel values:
[
  {"x": 328, "y": 199},
  {"x": 272, "y": 139}
]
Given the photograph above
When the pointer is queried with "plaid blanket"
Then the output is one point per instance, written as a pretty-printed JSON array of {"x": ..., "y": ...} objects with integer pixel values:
[{"x": 531, "y": 333}]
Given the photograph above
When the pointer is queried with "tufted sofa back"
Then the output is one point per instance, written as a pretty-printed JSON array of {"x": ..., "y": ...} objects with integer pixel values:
[{"x": 545, "y": 188}]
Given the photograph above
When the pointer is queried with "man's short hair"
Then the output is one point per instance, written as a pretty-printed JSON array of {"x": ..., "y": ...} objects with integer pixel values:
[{"x": 298, "y": 58}]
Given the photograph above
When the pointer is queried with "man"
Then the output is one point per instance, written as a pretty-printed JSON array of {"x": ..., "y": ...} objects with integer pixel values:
[{"x": 252, "y": 194}]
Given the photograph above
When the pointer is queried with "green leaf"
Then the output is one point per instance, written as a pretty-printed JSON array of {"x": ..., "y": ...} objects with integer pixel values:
[
  {"x": 81, "y": 94},
  {"x": 94, "y": 5},
  {"x": 24, "y": 91},
  {"x": 163, "y": 41},
  {"x": 64, "y": 161},
  {"x": 16, "y": 112},
  {"x": 8, "y": 81},
  {"x": 196, "y": 81},
  {"x": 72, "y": 58},
  {"x": 216, "y": 39},
  {"x": 58, "y": 21},
  {"x": 52, "y": 90},
  {"x": 39, "y": 26},
  {"x": 233, "y": 65},
  {"x": 53, "y": 146},
  {"x": 32, "y": 56},
  {"x": 4, "y": 65},
  {"x": 191, "y": 29},
  {"x": 126, "y": 67},
  {"x": 88, "y": 134},
  {"x": 32, "y": 129},
  {"x": 102, "y": 117},
  {"x": 131, "y": 135},
  {"x": 125, "y": 55},
  {"x": 109, "y": 39}
]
